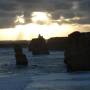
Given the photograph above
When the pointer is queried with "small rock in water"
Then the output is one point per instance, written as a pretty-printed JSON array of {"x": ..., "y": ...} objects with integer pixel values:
[{"x": 20, "y": 57}]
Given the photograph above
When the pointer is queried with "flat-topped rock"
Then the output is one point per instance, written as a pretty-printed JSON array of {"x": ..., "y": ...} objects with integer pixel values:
[
  {"x": 38, "y": 46},
  {"x": 77, "y": 52}
]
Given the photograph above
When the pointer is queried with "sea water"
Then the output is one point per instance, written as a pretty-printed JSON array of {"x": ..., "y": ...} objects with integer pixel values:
[{"x": 46, "y": 72}]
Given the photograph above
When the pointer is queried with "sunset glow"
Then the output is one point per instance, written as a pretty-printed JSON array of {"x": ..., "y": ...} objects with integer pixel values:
[
  {"x": 42, "y": 23},
  {"x": 41, "y": 17},
  {"x": 29, "y": 31}
]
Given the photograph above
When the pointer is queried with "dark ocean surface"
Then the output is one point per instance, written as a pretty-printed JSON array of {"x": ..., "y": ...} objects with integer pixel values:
[{"x": 46, "y": 72}]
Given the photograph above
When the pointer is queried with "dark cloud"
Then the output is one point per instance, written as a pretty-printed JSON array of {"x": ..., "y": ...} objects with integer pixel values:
[
  {"x": 7, "y": 7},
  {"x": 6, "y": 22},
  {"x": 67, "y": 8},
  {"x": 28, "y": 1},
  {"x": 62, "y": 6},
  {"x": 85, "y": 5},
  {"x": 6, "y": 15},
  {"x": 84, "y": 20}
]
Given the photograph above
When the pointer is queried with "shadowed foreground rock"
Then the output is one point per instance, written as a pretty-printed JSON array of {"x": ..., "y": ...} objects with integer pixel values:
[
  {"x": 20, "y": 57},
  {"x": 77, "y": 52},
  {"x": 38, "y": 46}
]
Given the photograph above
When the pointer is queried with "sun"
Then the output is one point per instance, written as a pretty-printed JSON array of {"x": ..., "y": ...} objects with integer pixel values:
[{"x": 41, "y": 17}]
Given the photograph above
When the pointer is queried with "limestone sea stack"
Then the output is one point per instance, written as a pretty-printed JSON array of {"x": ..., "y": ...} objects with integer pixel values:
[
  {"x": 20, "y": 56},
  {"x": 38, "y": 46},
  {"x": 77, "y": 52}
]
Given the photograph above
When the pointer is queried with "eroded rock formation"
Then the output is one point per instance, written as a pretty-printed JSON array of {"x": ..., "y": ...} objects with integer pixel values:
[
  {"x": 38, "y": 46},
  {"x": 20, "y": 56},
  {"x": 77, "y": 52}
]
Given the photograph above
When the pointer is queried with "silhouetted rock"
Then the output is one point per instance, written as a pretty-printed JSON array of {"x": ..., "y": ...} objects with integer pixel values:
[
  {"x": 77, "y": 52},
  {"x": 20, "y": 57},
  {"x": 38, "y": 46},
  {"x": 57, "y": 43}
]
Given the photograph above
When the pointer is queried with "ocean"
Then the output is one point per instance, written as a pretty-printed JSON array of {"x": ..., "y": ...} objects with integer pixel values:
[{"x": 46, "y": 72}]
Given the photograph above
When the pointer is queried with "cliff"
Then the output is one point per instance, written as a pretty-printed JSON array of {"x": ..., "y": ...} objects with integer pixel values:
[
  {"x": 77, "y": 52},
  {"x": 57, "y": 43}
]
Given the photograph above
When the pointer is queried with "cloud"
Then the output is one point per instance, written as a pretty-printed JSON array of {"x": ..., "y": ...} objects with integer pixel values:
[
  {"x": 84, "y": 20},
  {"x": 85, "y": 5},
  {"x": 67, "y": 8},
  {"x": 6, "y": 7},
  {"x": 6, "y": 22}
]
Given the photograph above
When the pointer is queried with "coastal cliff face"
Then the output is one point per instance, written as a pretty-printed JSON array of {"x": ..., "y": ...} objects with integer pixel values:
[
  {"x": 57, "y": 43},
  {"x": 77, "y": 52}
]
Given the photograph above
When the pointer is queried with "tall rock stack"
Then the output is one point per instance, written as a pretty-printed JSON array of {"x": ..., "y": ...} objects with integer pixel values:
[
  {"x": 38, "y": 46},
  {"x": 77, "y": 52},
  {"x": 20, "y": 57}
]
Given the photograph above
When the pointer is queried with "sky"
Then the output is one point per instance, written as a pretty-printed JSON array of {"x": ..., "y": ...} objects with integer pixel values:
[{"x": 76, "y": 11}]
